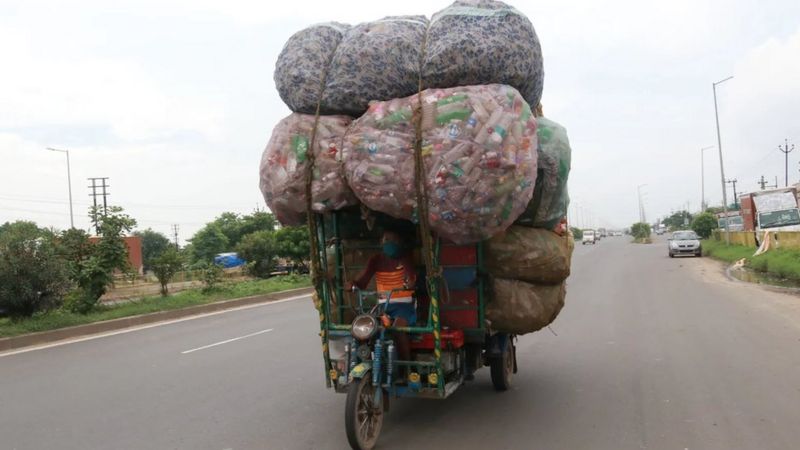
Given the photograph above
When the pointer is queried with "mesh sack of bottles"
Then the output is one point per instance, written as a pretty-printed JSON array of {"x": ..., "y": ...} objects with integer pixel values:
[
  {"x": 478, "y": 151},
  {"x": 550, "y": 196},
  {"x": 527, "y": 254},
  {"x": 284, "y": 165},
  {"x": 519, "y": 307},
  {"x": 468, "y": 43}
]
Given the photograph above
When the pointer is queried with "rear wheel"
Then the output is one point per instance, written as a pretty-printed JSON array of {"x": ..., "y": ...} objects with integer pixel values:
[
  {"x": 363, "y": 418},
  {"x": 503, "y": 367}
]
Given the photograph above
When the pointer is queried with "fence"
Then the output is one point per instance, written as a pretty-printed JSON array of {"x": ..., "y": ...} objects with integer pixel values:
[{"x": 780, "y": 239}]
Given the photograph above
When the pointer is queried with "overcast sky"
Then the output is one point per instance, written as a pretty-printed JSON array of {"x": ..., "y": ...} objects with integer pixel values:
[{"x": 174, "y": 101}]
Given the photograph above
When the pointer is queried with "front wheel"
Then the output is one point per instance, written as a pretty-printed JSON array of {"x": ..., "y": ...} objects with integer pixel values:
[
  {"x": 363, "y": 418},
  {"x": 502, "y": 367}
]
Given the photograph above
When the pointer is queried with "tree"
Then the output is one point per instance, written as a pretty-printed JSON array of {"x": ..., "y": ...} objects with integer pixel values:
[
  {"x": 165, "y": 266},
  {"x": 258, "y": 221},
  {"x": 208, "y": 242},
  {"x": 293, "y": 244},
  {"x": 259, "y": 250},
  {"x": 32, "y": 278},
  {"x": 93, "y": 272},
  {"x": 640, "y": 230},
  {"x": 678, "y": 220},
  {"x": 153, "y": 245},
  {"x": 577, "y": 232},
  {"x": 704, "y": 224}
]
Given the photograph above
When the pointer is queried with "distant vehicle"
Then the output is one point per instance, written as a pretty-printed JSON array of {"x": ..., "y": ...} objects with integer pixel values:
[
  {"x": 601, "y": 233},
  {"x": 684, "y": 242},
  {"x": 734, "y": 220},
  {"x": 660, "y": 231},
  {"x": 589, "y": 237},
  {"x": 228, "y": 260}
]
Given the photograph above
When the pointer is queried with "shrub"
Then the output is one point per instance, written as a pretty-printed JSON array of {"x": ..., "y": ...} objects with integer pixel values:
[
  {"x": 165, "y": 266},
  {"x": 211, "y": 275},
  {"x": 259, "y": 250},
  {"x": 32, "y": 278},
  {"x": 577, "y": 232},
  {"x": 704, "y": 224},
  {"x": 640, "y": 230}
]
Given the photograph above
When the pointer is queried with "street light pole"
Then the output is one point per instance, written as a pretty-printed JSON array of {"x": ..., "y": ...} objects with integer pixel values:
[
  {"x": 703, "y": 178},
  {"x": 721, "y": 166},
  {"x": 641, "y": 205},
  {"x": 69, "y": 184}
]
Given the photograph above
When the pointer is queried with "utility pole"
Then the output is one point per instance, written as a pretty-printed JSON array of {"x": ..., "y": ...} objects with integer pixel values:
[
  {"x": 775, "y": 186},
  {"x": 721, "y": 166},
  {"x": 95, "y": 186},
  {"x": 175, "y": 234},
  {"x": 785, "y": 149},
  {"x": 762, "y": 182},
  {"x": 733, "y": 182}
]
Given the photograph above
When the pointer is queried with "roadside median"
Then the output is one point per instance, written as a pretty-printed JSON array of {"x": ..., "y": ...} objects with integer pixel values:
[{"x": 60, "y": 325}]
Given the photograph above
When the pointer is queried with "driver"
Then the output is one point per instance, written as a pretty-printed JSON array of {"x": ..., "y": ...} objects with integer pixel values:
[{"x": 393, "y": 269}]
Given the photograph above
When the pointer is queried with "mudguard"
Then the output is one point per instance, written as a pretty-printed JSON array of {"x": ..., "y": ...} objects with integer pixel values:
[{"x": 360, "y": 370}]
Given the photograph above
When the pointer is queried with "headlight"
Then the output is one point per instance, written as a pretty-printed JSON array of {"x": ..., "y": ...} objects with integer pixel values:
[{"x": 364, "y": 327}]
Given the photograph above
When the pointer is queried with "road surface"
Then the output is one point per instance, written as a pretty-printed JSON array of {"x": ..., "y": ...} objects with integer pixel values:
[{"x": 650, "y": 353}]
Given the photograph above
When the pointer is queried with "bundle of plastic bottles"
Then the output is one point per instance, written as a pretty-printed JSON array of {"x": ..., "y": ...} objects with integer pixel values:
[
  {"x": 528, "y": 269},
  {"x": 343, "y": 68},
  {"x": 478, "y": 158},
  {"x": 550, "y": 196},
  {"x": 284, "y": 167}
]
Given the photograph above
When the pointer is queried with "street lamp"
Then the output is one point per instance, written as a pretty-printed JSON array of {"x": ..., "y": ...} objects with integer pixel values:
[
  {"x": 703, "y": 178},
  {"x": 641, "y": 206},
  {"x": 69, "y": 184},
  {"x": 721, "y": 166}
]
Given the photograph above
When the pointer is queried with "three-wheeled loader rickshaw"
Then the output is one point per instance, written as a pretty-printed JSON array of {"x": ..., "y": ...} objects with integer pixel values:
[{"x": 449, "y": 343}]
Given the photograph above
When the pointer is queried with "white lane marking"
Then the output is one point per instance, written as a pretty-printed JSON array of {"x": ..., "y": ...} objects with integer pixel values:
[
  {"x": 226, "y": 341},
  {"x": 145, "y": 327}
]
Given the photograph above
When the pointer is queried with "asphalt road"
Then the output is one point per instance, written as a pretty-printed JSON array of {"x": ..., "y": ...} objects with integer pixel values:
[{"x": 650, "y": 353}]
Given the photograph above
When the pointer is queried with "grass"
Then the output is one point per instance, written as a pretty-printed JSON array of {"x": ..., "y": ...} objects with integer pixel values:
[
  {"x": 784, "y": 263},
  {"x": 646, "y": 240},
  {"x": 728, "y": 253},
  {"x": 60, "y": 318}
]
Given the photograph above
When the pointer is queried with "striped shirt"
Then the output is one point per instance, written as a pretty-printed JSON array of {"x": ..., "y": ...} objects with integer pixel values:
[{"x": 390, "y": 274}]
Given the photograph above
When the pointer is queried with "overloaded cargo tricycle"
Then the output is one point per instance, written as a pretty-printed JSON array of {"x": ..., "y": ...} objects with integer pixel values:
[{"x": 450, "y": 341}]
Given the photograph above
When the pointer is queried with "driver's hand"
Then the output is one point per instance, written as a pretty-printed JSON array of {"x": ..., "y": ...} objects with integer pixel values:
[{"x": 350, "y": 286}]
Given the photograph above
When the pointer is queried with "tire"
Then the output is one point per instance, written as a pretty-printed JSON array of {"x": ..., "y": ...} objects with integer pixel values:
[
  {"x": 360, "y": 408},
  {"x": 503, "y": 368},
  {"x": 671, "y": 255},
  {"x": 698, "y": 254}
]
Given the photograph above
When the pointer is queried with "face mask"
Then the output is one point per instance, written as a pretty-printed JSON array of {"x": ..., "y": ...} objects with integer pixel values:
[{"x": 391, "y": 249}]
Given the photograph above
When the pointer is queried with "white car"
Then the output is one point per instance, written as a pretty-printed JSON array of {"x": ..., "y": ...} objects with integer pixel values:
[
  {"x": 685, "y": 242},
  {"x": 589, "y": 237}
]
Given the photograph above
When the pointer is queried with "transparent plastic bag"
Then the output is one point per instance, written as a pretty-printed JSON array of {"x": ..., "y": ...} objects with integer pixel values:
[
  {"x": 479, "y": 157},
  {"x": 550, "y": 196},
  {"x": 284, "y": 164}
]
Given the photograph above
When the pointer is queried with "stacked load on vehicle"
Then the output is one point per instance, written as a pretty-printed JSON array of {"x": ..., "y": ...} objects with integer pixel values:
[{"x": 406, "y": 117}]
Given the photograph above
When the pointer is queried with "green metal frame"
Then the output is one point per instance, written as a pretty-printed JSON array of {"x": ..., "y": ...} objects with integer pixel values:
[{"x": 335, "y": 327}]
